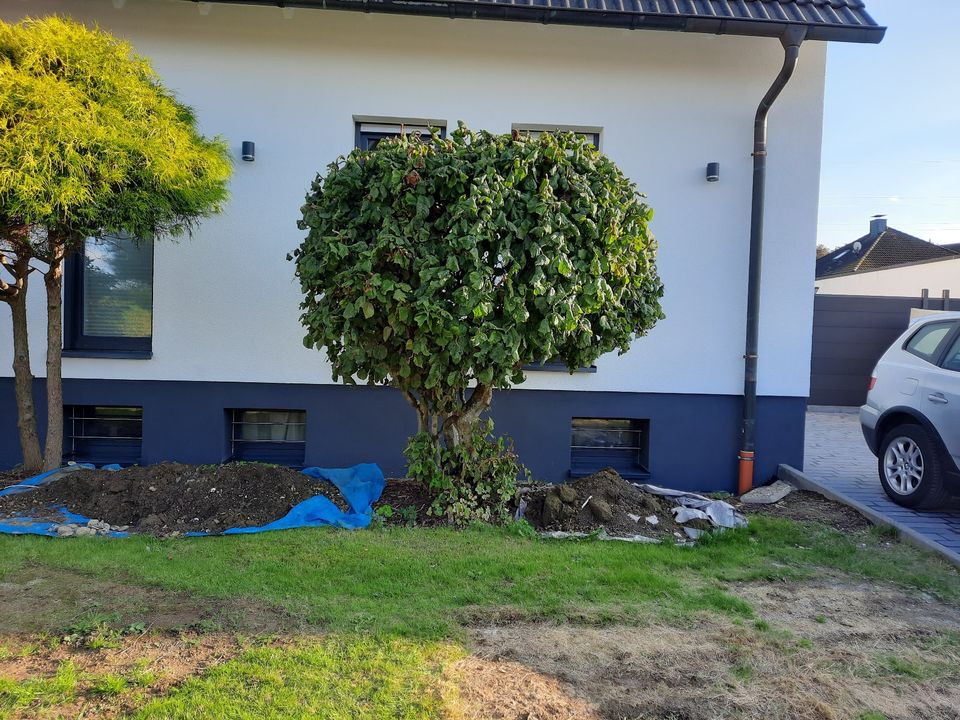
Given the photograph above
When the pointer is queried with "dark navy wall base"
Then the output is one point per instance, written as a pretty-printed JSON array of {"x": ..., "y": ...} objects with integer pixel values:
[{"x": 693, "y": 438}]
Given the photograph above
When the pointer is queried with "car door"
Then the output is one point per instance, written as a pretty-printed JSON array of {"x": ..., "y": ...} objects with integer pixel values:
[{"x": 940, "y": 396}]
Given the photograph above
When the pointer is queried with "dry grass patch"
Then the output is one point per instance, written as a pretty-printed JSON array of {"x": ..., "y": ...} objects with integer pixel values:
[
  {"x": 492, "y": 689},
  {"x": 822, "y": 651}
]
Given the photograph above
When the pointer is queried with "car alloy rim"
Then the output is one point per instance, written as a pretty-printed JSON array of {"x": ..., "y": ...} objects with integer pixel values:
[{"x": 903, "y": 465}]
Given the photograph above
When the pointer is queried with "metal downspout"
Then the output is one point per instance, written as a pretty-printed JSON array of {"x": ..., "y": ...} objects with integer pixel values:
[{"x": 792, "y": 39}]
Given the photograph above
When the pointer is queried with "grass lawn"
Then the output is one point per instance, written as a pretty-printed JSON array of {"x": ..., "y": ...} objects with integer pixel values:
[{"x": 416, "y": 623}]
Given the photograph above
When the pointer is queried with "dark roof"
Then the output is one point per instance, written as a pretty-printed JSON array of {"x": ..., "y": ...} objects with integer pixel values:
[
  {"x": 881, "y": 250},
  {"x": 952, "y": 246},
  {"x": 842, "y": 20}
]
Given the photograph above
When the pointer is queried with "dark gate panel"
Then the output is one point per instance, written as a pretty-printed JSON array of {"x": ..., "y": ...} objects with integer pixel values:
[{"x": 850, "y": 333}]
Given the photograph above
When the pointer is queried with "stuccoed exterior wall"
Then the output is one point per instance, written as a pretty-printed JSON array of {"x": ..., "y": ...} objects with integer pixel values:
[{"x": 225, "y": 302}]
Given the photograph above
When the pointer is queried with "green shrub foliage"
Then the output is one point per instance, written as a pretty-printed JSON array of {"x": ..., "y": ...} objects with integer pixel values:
[
  {"x": 471, "y": 482},
  {"x": 438, "y": 265}
]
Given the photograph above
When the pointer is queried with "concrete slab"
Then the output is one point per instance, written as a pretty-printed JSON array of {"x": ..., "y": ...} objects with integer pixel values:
[{"x": 767, "y": 495}]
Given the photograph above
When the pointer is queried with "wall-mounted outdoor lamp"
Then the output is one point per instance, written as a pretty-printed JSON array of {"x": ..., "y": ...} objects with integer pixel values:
[
  {"x": 713, "y": 172},
  {"x": 247, "y": 151}
]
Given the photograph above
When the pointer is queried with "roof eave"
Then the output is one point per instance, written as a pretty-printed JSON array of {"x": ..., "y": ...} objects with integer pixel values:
[{"x": 585, "y": 17}]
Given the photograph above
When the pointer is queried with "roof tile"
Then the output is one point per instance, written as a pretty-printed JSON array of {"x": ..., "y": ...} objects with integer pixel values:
[{"x": 881, "y": 251}]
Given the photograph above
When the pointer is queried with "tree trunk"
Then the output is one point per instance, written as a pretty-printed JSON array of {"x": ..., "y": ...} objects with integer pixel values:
[
  {"x": 450, "y": 430},
  {"x": 22, "y": 374},
  {"x": 460, "y": 425},
  {"x": 53, "y": 279}
]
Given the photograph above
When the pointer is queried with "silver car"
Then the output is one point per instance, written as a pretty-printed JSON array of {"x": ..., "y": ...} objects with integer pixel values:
[{"x": 912, "y": 417}]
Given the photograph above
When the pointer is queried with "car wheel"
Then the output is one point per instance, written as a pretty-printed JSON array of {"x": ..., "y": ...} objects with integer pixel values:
[{"x": 910, "y": 468}]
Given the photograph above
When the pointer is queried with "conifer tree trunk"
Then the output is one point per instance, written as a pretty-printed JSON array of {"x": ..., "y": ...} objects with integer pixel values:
[
  {"x": 53, "y": 279},
  {"x": 22, "y": 374}
]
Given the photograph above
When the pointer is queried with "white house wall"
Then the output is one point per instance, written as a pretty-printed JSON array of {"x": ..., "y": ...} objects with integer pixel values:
[
  {"x": 226, "y": 302},
  {"x": 907, "y": 281}
]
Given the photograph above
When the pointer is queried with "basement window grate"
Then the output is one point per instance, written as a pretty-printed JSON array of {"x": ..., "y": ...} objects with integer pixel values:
[
  {"x": 269, "y": 436},
  {"x": 102, "y": 434},
  {"x": 619, "y": 443}
]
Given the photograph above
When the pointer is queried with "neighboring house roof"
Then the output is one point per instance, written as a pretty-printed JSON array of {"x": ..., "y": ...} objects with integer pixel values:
[
  {"x": 884, "y": 247},
  {"x": 842, "y": 20},
  {"x": 952, "y": 246}
]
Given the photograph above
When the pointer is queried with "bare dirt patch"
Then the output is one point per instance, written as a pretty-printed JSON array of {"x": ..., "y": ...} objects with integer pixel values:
[
  {"x": 602, "y": 500},
  {"x": 409, "y": 502},
  {"x": 172, "y": 497},
  {"x": 805, "y": 506},
  {"x": 138, "y": 668},
  {"x": 49, "y": 600},
  {"x": 10, "y": 477},
  {"x": 821, "y": 651}
]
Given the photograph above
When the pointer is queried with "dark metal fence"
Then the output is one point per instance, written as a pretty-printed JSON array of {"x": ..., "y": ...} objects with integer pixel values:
[{"x": 850, "y": 333}]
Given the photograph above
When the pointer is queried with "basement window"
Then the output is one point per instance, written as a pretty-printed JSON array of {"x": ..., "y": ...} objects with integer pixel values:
[
  {"x": 268, "y": 436},
  {"x": 102, "y": 434},
  {"x": 619, "y": 443}
]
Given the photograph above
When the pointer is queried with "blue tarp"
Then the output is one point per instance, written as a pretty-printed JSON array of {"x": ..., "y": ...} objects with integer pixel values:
[{"x": 360, "y": 485}]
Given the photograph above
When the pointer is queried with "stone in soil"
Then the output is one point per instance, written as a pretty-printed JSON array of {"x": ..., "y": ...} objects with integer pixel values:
[{"x": 601, "y": 509}]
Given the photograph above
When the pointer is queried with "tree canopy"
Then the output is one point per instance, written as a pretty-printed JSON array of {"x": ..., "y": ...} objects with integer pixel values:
[
  {"x": 437, "y": 264},
  {"x": 92, "y": 141}
]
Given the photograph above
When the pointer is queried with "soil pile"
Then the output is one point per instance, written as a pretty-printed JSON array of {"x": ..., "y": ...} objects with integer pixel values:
[
  {"x": 171, "y": 497},
  {"x": 605, "y": 500}
]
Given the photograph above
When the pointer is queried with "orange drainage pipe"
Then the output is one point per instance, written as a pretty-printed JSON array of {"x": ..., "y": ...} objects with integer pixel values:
[{"x": 745, "y": 483}]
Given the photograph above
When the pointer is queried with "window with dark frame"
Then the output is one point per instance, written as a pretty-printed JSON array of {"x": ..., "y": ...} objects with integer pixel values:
[
  {"x": 268, "y": 436},
  {"x": 557, "y": 366},
  {"x": 592, "y": 134},
  {"x": 108, "y": 298},
  {"x": 102, "y": 434},
  {"x": 619, "y": 443},
  {"x": 368, "y": 134}
]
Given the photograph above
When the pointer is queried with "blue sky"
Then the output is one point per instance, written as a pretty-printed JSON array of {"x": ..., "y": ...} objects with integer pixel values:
[{"x": 892, "y": 126}]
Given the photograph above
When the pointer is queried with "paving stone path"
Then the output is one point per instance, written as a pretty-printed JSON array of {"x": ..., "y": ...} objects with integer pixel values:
[{"x": 837, "y": 456}]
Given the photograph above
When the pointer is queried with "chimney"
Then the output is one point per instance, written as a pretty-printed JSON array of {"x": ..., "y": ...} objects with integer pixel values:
[{"x": 878, "y": 223}]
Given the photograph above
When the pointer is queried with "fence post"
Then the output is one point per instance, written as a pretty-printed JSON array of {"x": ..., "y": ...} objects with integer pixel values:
[
  {"x": 925, "y": 299},
  {"x": 946, "y": 299}
]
